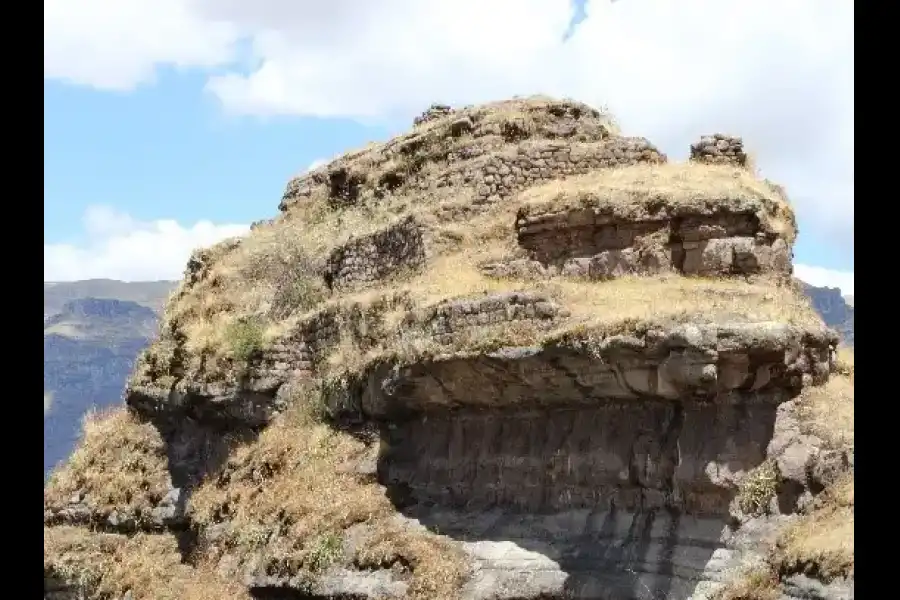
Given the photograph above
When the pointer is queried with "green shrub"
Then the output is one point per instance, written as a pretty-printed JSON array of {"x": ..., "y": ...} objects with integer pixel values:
[
  {"x": 244, "y": 338},
  {"x": 757, "y": 490},
  {"x": 326, "y": 549}
]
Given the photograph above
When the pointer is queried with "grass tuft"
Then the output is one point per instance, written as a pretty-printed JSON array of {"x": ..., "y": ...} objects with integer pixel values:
[
  {"x": 757, "y": 490},
  {"x": 119, "y": 463},
  {"x": 244, "y": 338},
  {"x": 754, "y": 583},
  {"x": 147, "y": 565},
  {"x": 821, "y": 544},
  {"x": 298, "y": 481}
]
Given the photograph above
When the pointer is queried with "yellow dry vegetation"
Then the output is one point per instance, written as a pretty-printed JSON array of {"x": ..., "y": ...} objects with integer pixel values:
[
  {"x": 120, "y": 462},
  {"x": 828, "y": 409},
  {"x": 820, "y": 543},
  {"x": 618, "y": 306},
  {"x": 532, "y": 110},
  {"x": 108, "y": 565},
  {"x": 298, "y": 481},
  {"x": 845, "y": 361},
  {"x": 754, "y": 583},
  {"x": 273, "y": 275},
  {"x": 636, "y": 192}
]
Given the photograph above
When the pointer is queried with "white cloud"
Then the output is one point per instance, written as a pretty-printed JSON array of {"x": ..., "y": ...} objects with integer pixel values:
[
  {"x": 779, "y": 73},
  {"x": 821, "y": 277},
  {"x": 118, "y": 45},
  {"x": 317, "y": 163},
  {"x": 119, "y": 247}
]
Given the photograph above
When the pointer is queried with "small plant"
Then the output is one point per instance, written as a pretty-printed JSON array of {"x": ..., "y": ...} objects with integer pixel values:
[
  {"x": 295, "y": 290},
  {"x": 254, "y": 536},
  {"x": 307, "y": 405},
  {"x": 756, "y": 583},
  {"x": 244, "y": 338},
  {"x": 758, "y": 489},
  {"x": 326, "y": 549}
]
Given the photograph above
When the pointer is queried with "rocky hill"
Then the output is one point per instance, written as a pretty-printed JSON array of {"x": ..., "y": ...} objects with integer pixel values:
[
  {"x": 511, "y": 354},
  {"x": 835, "y": 309},
  {"x": 151, "y": 294},
  {"x": 90, "y": 345}
]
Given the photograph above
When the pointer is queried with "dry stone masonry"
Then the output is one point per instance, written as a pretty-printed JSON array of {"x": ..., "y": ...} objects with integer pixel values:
[
  {"x": 719, "y": 149},
  {"x": 377, "y": 256},
  {"x": 448, "y": 140},
  {"x": 451, "y": 317},
  {"x": 435, "y": 111},
  {"x": 500, "y": 175}
]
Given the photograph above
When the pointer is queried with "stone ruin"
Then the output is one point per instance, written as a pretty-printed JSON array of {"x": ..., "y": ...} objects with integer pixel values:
[
  {"x": 566, "y": 459},
  {"x": 719, "y": 149}
]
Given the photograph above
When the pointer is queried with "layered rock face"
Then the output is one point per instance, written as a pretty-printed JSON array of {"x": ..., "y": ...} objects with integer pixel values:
[{"x": 509, "y": 355}]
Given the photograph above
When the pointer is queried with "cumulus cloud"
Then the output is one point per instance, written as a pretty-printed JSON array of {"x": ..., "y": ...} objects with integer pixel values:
[
  {"x": 120, "y": 247},
  {"x": 821, "y": 277},
  {"x": 119, "y": 45},
  {"x": 779, "y": 73}
]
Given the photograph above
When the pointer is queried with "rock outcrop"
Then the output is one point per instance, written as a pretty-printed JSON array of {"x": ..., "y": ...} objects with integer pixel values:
[{"x": 508, "y": 355}]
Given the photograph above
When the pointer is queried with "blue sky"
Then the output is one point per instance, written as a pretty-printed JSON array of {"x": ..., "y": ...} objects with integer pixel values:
[
  {"x": 167, "y": 151},
  {"x": 170, "y": 124}
]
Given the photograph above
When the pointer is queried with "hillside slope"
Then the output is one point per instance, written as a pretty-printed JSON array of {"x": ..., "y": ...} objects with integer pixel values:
[
  {"x": 90, "y": 346},
  {"x": 511, "y": 354},
  {"x": 836, "y": 310}
]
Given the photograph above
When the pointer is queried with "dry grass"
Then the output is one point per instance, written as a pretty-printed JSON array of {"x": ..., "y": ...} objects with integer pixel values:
[
  {"x": 109, "y": 565},
  {"x": 828, "y": 409},
  {"x": 618, "y": 306},
  {"x": 530, "y": 109},
  {"x": 758, "y": 488},
  {"x": 820, "y": 544},
  {"x": 754, "y": 583},
  {"x": 119, "y": 463},
  {"x": 845, "y": 362},
  {"x": 273, "y": 275},
  {"x": 297, "y": 482},
  {"x": 635, "y": 192}
]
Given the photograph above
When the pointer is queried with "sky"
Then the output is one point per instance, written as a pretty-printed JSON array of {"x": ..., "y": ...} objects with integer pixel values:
[{"x": 172, "y": 124}]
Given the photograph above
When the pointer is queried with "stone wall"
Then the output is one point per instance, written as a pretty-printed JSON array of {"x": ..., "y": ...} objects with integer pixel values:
[
  {"x": 446, "y": 137},
  {"x": 453, "y": 316},
  {"x": 434, "y": 112},
  {"x": 502, "y": 174},
  {"x": 719, "y": 149},
  {"x": 378, "y": 255},
  {"x": 296, "y": 354},
  {"x": 580, "y": 242}
]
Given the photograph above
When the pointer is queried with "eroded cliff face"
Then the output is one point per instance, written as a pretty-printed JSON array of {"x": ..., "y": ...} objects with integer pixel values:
[{"x": 509, "y": 355}]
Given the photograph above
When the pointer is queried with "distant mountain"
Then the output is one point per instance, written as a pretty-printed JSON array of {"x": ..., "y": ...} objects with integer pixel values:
[
  {"x": 93, "y": 332},
  {"x": 151, "y": 294},
  {"x": 834, "y": 308}
]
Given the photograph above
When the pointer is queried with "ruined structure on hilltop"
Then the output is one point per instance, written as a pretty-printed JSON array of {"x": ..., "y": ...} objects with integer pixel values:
[{"x": 510, "y": 354}]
